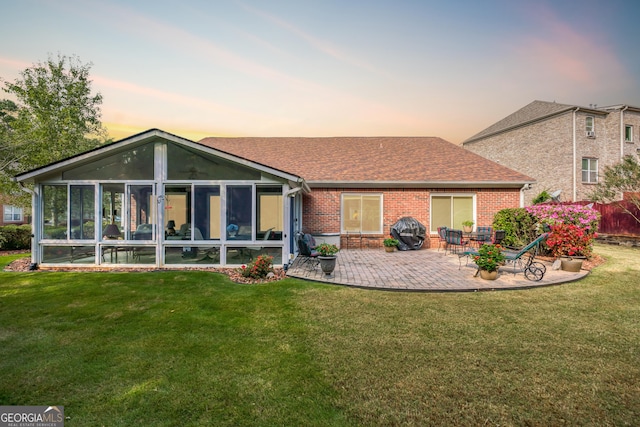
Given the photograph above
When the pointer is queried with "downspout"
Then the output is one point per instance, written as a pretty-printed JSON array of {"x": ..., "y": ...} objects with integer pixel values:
[
  {"x": 622, "y": 131},
  {"x": 575, "y": 158},
  {"x": 522, "y": 190}
]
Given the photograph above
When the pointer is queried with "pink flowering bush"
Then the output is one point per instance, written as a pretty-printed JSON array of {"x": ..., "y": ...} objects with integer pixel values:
[
  {"x": 581, "y": 216},
  {"x": 570, "y": 240}
]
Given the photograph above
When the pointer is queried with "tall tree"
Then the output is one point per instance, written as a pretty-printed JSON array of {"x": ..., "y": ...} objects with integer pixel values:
[
  {"x": 56, "y": 116},
  {"x": 620, "y": 179}
]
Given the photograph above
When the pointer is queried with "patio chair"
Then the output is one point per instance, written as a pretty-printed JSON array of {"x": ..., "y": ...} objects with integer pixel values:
[
  {"x": 255, "y": 252},
  {"x": 307, "y": 253},
  {"x": 455, "y": 241},
  {"x": 522, "y": 259},
  {"x": 482, "y": 235},
  {"x": 442, "y": 237},
  {"x": 498, "y": 237}
]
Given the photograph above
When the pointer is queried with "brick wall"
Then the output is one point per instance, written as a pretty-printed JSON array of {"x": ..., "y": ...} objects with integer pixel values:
[
  {"x": 321, "y": 208},
  {"x": 544, "y": 150}
]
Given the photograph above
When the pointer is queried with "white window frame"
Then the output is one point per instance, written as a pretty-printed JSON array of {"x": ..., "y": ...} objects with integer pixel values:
[
  {"x": 433, "y": 228},
  {"x": 9, "y": 214},
  {"x": 342, "y": 213},
  {"x": 628, "y": 133},
  {"x": 590, "y": 128},
  {"x": 590, "y": 169}
]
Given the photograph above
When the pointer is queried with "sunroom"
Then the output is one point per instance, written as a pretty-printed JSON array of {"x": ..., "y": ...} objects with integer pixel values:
[{"x": 158, "y": 200}]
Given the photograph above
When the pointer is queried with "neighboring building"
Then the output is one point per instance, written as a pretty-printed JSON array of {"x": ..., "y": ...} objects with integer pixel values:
[
  {"x": 564, "y": 147},
  {"x": 12, "y": 215},
  {"x": 159, "y": 200}
]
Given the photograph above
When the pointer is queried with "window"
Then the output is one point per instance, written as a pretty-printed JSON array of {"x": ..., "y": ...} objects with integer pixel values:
[
  {"x": 628, "y": 133},
  {"x": 450, "y": 211},
  {"x": 362, "y": 213},
  {"x": 589, "y": 126},
  {"x": 12, "y": 214},
  {"x": 239, "y": 212},
  {"x": 269, "y": 212},
  {"x": 590, "y": 171},
  {"x": 82, "y": 212}
]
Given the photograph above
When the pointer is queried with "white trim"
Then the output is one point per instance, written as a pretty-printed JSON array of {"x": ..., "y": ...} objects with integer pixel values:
[
  {"x": 381, "y": 206},
  {"x": 474, "y": 204}
]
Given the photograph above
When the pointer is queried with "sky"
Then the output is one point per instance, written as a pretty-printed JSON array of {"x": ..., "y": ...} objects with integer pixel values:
[{"x": 330, "y": 67}]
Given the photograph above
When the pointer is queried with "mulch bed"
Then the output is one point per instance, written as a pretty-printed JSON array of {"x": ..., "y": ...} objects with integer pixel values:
[{"x": 22, "y": 264}]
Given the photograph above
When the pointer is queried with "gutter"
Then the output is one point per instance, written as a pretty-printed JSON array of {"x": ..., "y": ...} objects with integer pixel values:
[
  {"x": 419, "y": 184},
  {"x": 574, "y": 189}
]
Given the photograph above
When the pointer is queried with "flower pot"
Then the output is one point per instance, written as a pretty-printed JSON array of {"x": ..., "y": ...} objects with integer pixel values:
[
  {"x": 489, "y": 275},
  {"x": 573, "y": 265},
  {"x": 467, "y": 228},
  {"x": 327, "y": 264},
  {"x": 389, "y": 248}
]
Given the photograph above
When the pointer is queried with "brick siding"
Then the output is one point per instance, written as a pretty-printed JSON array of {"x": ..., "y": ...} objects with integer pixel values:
[
  {"x": 321, "y": 208},
  {"x": 544, "y": 150}
]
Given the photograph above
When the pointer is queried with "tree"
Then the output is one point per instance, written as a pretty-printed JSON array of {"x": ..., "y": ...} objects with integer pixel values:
[
  {"x": 620, "y": 180},
  {"x": 8, "y": 154},
  {"x": 55, "y": 116}
]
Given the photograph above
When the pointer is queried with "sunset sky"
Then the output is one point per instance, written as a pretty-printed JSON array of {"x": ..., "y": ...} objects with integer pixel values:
[{"x": 330, "y": 67}]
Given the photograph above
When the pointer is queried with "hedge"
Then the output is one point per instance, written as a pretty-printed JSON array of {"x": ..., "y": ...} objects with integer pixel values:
[{"x": 15, "y": 237}]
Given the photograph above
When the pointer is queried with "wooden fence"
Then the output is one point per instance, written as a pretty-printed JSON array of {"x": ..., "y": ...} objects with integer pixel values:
[{"x": 613, "y": 219}]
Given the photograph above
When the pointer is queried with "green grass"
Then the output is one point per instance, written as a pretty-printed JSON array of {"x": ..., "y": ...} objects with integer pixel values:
[{"x": 192, "y": 348}]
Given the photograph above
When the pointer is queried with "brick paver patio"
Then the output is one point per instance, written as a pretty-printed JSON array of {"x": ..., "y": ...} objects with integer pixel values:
[{"x": 421, "y": 270}]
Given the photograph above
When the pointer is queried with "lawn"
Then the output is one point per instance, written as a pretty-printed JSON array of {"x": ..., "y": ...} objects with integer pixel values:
[{"x": 193, "y": 348}]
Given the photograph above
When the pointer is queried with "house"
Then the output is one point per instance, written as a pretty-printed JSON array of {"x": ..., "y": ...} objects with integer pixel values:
[
  {"x": 160, "y": 200},
  {"x": 564, "y": 147},
  {"x": 11, "y": 215}
]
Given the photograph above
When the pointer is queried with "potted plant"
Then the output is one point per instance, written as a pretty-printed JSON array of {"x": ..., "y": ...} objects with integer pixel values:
[
  {"x": 467, "y": 226},
  {"x": 571, "y": 244},
  {"x": 390, "y": 244},
  {"x": 327, "y": 256},
  {"x": 488, "y": 260}
]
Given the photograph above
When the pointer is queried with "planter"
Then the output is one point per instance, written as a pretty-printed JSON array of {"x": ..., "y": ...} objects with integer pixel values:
[
  {"x": 327, "y": 264},
  {"x": 389, "y": 248},
  {"x": 467, "y": 228},
  {"x": 572, "y": 264},
  {"x": 489, "y": 275}
]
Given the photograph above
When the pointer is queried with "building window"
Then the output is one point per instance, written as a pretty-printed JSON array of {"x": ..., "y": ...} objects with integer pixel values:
[
  {"x": 590, "y": 126},
  {"x": 451, "y": 211},
  {"x": 628, "y": 133},
  {"x": 362, "y": 213},
  {"x": 590, "y": 171},
  {"x": 12, "y": 214}
]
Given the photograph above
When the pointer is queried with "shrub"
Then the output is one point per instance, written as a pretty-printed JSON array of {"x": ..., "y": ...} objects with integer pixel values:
[
  {"x": 259, "y": 268},
  {"x": 489, "y": 257},
  {"x": 543, "y": 197},
  {"x": 390, "y": 242},
  {"x": 15, "y": 237},
  {"x": 327, "y": 249},
  {"x": 584, "y": 217},
  {"x": 518, "y": 226},
  {"x": 570, "y": 240}
]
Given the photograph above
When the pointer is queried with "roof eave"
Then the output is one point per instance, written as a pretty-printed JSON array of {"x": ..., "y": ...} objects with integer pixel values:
[
  {"x": 418, "y": 184},
  {"x": 30, "y": 176},
  {"x": 537, "y": 119}
]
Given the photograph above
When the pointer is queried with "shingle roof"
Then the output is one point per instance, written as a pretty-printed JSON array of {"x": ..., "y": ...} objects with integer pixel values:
[
  {"x": 535, "y": 111},
  {"x": 370, "y": 160}
]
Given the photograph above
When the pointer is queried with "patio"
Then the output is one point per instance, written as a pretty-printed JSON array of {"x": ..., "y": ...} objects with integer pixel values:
[{"x": 426, "y": 270}]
